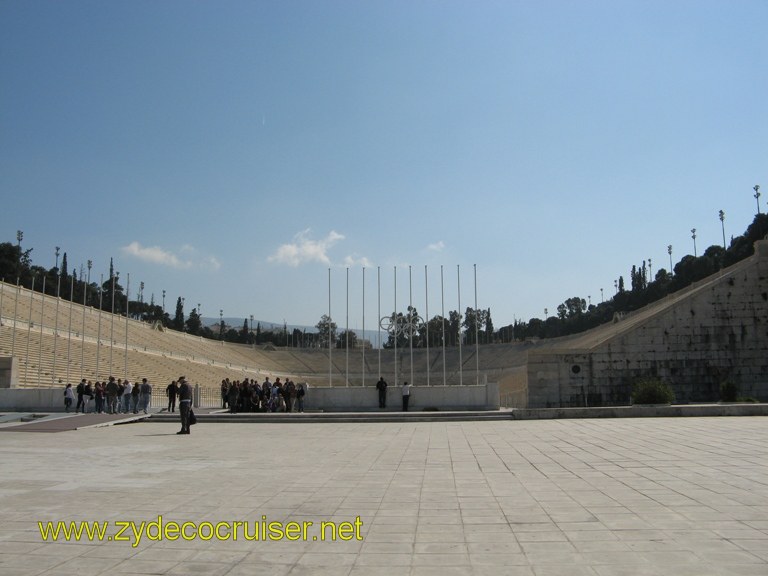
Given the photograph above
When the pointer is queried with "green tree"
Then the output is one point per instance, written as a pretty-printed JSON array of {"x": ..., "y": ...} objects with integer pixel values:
[
  {"x": 178, "y": 319},
  {"x": 193, "y": 324},
  {"x": 324, "y": 326}
]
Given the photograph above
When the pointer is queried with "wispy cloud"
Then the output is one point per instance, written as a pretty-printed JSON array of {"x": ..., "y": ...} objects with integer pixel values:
[
  {"x": 163, "y": 257},
  {"x": 304, "y": 249},
  {"x": 436, "y": 246},
  {"x": 355, "y": 261}
]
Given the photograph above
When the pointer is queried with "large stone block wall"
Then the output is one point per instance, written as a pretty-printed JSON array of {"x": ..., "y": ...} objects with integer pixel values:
[{"x": 718, "y": 333}]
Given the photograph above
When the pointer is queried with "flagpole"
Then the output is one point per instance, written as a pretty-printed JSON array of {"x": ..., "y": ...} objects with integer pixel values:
[
  {"x": 127, "y": 304},
  {"x": 69, "y": 329},
  {"x": 378, "y": 331},
  {"x": 29, "y": 330},
  {"x": 394, "y": 329},
  {"x": 98, "y": 332},
  {"x": 461, "y": 362},
  {"x": 40, "y": 356},
  {"x": 346, "y": 335},
  {"x": 410, "y": 317},
  {"x": 363, "y": 343},
  {"x": 426, "y": 314},
  {"x": 477, "y": 332},
  {"x": 330, "y": 348},
  {"x": 442, "y": 303}
]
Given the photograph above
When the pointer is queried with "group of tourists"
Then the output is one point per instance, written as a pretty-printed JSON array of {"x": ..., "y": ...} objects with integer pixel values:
[
  {"x": 250, "y": 396},
  {"x": 111, "y": 396}
]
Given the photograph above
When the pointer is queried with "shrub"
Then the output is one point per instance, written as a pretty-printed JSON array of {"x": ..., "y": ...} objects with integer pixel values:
[
  {"x": 729, "y": 391},
  {"x": 652, "y": 391}
]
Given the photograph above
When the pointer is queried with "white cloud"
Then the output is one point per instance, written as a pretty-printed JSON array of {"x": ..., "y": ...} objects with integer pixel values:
[
  {"x": 304, "y": 249},
  {"x": 352, "y": 261},
  {"x": 436, "y": 247},
  {"x": 163, "y": 257}
]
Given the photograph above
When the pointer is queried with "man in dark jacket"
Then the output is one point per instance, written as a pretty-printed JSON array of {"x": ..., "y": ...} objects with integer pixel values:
[
  {"x": 171, "y": 392},
  {"x": 185, "y": 404}
]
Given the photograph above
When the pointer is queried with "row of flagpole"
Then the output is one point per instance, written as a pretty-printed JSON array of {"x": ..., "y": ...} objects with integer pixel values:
[
  {"x": 394, "y": 326},
  {"x": 30, "y": 322}
]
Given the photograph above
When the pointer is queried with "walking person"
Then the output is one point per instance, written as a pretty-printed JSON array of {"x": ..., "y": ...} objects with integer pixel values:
[
  {"x": 406, "y": 395},
  {"x": 69, "y": 397},
  {"x": 80, "y": 391},
  {"x": 171, "y": 391}
]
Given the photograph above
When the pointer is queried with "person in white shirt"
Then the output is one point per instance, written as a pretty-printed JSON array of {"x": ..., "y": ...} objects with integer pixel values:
[
  {"x": 127, "y": 389},
  {"x": 406, "y": 395}
]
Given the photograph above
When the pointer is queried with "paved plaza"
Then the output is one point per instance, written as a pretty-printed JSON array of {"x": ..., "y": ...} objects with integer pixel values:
[{"x": 651, "y": 496}]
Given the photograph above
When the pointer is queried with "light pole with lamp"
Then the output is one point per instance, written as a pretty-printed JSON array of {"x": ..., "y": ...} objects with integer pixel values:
[
  {"x": 757, "y": 197},
  {"x": 722, "y": 223},
  {"x": 693, "y": 235},
  {"x": 669, "y": 251}
]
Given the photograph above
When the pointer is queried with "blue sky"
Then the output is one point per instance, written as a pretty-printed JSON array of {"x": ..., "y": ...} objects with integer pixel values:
[{"x": 234, "y": 152}]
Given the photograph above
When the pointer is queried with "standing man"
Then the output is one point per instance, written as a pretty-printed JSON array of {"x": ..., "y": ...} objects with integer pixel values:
[
  {"x": 171, "y": 392},
  {"x": 146, "y": 394},
  {"x": 185, "y": 404},
  {"x": 381, "y": 386},
  {"x": 111, "y": 390},
  {"x": 406, "y": 396},
  {"x": 127, "y": 390},
  {"x": 80, "y": 391}
]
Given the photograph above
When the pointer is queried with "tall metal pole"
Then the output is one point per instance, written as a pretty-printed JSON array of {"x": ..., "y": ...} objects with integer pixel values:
[
  {"x": 346, "y": 335},
  {"x": 394, "y": 332},
  {"x": 410, "y": 318},
  {"x": 426, "y": 314},
  {"x": 29, "y": 329},
  {"x": 477, "y": 332},
  {"x": 756, "y": 188},
  {"x": 15, "y": 314},
  {"x": 330, "y": 332},
  {"x": 127, "y": 304},
  {"x": 56, "y": 320},
  {"x": 442, "y": 304},
  {"x": 693, "y": 235},
  {"x": 112, "y": 327},
  {"x": 98, "y": 333},
  {"x": 722, "y": 223},
  {"x": 40, "y": 354},
  {"x": 363, "y": 346},
  {"x": 669, "y": 251},
  {"x": 82, "y": 331},
  {"x": 69, "y": 328},
  {"x": 461, "y": 361},
  {"x": 378, "y": 312}
]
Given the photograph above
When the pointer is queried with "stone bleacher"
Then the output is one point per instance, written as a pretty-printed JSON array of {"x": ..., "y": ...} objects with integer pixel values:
[{"x": 55, "y": 340}]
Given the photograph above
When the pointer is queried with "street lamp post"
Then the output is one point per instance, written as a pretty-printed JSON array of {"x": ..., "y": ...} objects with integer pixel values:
[
  {"x": 669, "y": 251},
  {"x": 756, "y": 188},
  {"x": 722, "y": 223},
  {"x": 19, "y": 238},
  {"x": 693, "y": 235},
  {"x": 86, "y": 300},
  {"x": 221, "y": 325}
]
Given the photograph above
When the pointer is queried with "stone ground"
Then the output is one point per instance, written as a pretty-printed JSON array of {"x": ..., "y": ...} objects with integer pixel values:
[{"x": 685, "y": 496}]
